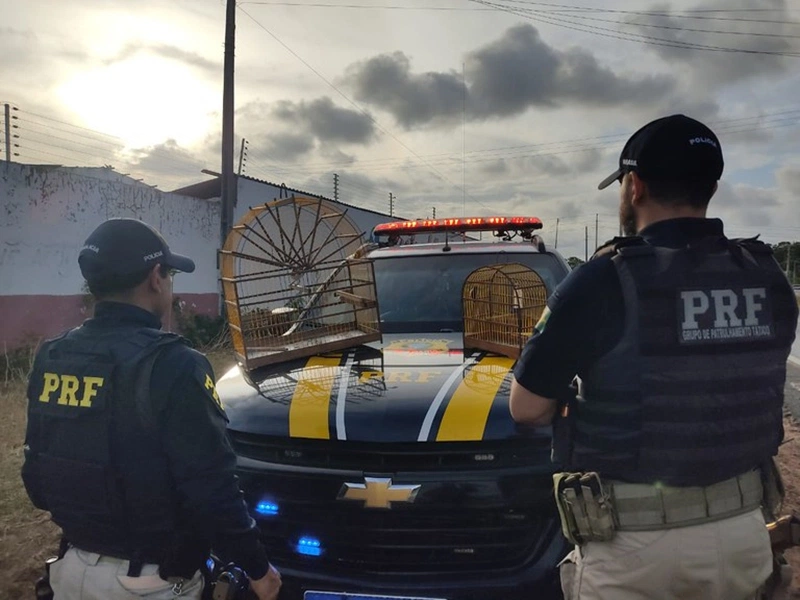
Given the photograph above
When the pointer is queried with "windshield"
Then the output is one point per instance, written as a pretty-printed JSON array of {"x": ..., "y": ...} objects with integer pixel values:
[{"x": 423, "y": 293}]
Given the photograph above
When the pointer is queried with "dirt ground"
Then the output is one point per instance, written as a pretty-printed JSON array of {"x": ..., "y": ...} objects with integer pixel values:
[
  {"x": 27, "y": 536},
  {"x": 789, "y": 461}
]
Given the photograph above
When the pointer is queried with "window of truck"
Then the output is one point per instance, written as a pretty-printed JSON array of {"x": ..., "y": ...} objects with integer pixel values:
[{"x": 423, "y": 293}]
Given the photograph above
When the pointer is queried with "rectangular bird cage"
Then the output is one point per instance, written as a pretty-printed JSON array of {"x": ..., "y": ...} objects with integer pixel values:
[
  {"x": 502, "y": 303},
  {"x": 296, "y": 284}
]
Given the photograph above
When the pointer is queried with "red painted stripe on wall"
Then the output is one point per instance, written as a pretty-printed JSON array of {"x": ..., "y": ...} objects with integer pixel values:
[{"x": 25, "y": 320}]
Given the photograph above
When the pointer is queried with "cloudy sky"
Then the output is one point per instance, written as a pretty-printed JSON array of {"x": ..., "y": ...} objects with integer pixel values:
[{"x": 471, "y": 107}]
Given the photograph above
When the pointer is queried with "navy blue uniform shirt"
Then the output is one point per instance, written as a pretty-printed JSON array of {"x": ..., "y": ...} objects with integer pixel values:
[
  {"x": 587, "y": 314},
  {"x": 194, "y": 439}
]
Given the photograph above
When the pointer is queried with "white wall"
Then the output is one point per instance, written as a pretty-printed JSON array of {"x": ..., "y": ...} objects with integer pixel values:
[{"x": 47, "y": 212}]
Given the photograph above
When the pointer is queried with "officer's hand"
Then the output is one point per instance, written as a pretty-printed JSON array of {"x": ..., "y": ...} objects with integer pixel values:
[{"x": 268, "y": 586}]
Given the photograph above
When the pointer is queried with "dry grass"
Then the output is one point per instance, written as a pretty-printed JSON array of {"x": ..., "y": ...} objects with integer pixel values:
[{"x": 27, "y": 536}]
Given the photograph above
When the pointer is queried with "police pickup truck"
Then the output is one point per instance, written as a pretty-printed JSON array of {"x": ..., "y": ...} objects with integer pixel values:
[{"x": 394, "y": 468}]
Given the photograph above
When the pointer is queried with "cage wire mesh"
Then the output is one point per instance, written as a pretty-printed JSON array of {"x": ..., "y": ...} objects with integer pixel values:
[
  {"x": 296, "y": 283},
  {"x": 502, "y": 304}
]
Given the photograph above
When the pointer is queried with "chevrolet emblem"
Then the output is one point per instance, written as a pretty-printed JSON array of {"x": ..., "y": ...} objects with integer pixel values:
[{"x": 378, "y": 492}]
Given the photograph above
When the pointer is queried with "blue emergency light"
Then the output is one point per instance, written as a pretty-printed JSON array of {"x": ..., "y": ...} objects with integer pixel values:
[
  {"x": 267, "y": 509},
  {"x": 309, "y": 546}
]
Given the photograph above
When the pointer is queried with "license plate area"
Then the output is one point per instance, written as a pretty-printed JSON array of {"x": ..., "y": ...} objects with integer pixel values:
[{"x": 315, "y": 595}]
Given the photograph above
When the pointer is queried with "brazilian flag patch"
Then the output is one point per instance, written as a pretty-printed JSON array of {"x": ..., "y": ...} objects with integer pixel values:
[{"x": 542, "y": 323}]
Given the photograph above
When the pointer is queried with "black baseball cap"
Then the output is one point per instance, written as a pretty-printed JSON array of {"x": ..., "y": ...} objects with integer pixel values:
[
  {"x": 122, "y": 247},
  {"x": 676, "y": 147}
]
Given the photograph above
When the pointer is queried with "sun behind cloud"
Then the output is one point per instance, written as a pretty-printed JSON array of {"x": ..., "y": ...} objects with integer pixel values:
[{"x": 143, "y": 100}]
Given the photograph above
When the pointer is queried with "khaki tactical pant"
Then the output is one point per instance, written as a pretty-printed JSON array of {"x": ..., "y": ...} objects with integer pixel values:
[
  {"x": 721, "y": 560},
  {"x": 84, "y": 575}
]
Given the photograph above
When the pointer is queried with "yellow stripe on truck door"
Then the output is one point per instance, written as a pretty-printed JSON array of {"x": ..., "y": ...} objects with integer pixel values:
[
  {"x": 309, "y": 411},
  {"x": 465, "y": 417}
]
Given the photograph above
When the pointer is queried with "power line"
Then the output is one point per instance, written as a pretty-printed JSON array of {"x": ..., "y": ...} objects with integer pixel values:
[
  {"x": 353, "y": 103},
  {"x": 564, "y": 10},
  {"x": 573, "y": 144},
  {"x": 610, "y": 33},
  {"x": 453, "y": 160},
  {"x": 699, "y": 14},
  {"x": 370, "y": 6},
  {"x": 688, "y": 29}
]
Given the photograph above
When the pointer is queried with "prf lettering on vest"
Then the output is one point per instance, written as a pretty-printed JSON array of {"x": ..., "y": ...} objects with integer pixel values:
[
  {"x": 209, "y": 384},
  {"x": 69, "y": 387},
  {"x": 724, "y": 315}
]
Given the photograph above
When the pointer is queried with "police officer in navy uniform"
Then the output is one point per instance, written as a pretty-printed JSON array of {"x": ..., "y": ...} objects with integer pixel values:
[
  {"x": 676, "y": 339},
  {"x": 126, "y": 443}
]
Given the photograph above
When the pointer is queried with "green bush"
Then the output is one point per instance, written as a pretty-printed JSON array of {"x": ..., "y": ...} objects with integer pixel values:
[{"x": 202, "y": 331}]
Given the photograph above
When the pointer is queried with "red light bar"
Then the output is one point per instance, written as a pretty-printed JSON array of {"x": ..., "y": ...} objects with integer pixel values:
[{"x": 459, "y": 224}]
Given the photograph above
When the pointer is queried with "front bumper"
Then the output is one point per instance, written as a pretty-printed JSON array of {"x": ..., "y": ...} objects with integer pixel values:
[{"x": 538, "y": 581}]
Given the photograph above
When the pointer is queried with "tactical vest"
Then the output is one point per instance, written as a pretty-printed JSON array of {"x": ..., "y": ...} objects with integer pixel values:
[
  {"x": 693, "y": 392},
  {"x": 93, "y": 456}
]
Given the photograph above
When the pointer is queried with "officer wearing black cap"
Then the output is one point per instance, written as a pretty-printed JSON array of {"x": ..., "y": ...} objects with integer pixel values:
[
  {"x": 661, "y": 364},
  {"x": 126, "y": 445}
]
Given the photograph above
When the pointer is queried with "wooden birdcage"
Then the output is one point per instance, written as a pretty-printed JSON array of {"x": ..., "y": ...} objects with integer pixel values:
[
  {"x": 296, "y": 283},
  {"x": 502, "y": 303}
]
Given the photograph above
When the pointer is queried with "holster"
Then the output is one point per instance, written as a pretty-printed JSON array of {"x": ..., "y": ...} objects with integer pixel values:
[
  {"x": 774, "y": 490},
  {"x": 585, "y": 508},
  {"x": 225, "y": 582},
  {"x": 184, "y": 554},
  {"x": 42, "y": 586}
]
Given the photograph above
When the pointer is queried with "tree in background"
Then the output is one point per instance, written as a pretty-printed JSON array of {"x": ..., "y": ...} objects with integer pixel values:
[
  {"x": 574, "y": 262},
  {"x": 789, "y": 260}
]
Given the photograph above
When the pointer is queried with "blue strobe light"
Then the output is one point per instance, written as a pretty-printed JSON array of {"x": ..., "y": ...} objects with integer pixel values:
[
  {"x": 267, "y": 509},
  {"x": 309, "y": 546}
]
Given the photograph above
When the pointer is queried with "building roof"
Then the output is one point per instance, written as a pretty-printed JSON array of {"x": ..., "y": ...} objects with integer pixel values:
[{"x": 212, "y": 188}]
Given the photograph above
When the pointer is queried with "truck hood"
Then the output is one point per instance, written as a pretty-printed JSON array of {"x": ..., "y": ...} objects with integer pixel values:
[{"x": 409, "y": 388}]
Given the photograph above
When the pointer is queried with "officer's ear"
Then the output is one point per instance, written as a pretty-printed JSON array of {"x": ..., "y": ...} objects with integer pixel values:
[
  {"x": 638, "y": 189},
  {"x": 155, "y": 280}
]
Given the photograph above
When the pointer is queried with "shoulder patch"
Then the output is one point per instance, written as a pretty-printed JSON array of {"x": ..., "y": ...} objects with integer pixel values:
[
  {"x": 542, "y": 322},
  {"x": 753, "y": 244},
  {"x": 612, "y": 246},
  {"x": 206, "y": 380}
]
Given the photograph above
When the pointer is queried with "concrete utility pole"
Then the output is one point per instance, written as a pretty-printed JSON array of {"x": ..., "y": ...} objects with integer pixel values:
[
  {"x": 596, "y": 218},
  {"x": 391, "y": 204},
  {"x": 336, "y": 186},
  {"x": 586, "y": 249},
  {"x": 228, "y": 196},
  {"x": 557, "y": 221}
]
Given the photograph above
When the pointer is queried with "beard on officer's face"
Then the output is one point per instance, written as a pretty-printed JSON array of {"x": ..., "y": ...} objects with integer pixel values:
[{"x": 627, "y": 213}]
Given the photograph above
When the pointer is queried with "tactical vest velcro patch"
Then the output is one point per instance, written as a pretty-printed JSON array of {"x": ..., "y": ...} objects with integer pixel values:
[
  {"x": 69, "y": 388},
  {"x": 728, "y": 315}
]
